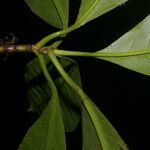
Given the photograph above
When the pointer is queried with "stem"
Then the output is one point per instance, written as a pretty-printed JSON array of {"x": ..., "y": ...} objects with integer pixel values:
[
  {"x": 54, "y": 35},
  {"x": 58, "y": 66},
  {"x": 32, "y": 48},
  {"x": 73, "y": 53},
  {"x": 16, "y": 48},
  {"x": 87, "y": 103},
  {"x": 67, "y": 30},
  {"x": 83, "y": 97}
]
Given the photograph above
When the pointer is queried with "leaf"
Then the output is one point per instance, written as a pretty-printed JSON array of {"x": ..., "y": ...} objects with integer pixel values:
[
  {"x": 39, "y": 93},
  {"x": 88, "y": 131},
  {"x": 39, "y": 96},
  {"x": 34, "y": 70},
  {"x": 98, "y": 133},
  {"x": 91, "y": 9},
  {"x": 107, "y": 136},
  {"x": 47, "y": 133},
  {"x": 132, "y": 50},
  {"x": 54, "y": 12}
]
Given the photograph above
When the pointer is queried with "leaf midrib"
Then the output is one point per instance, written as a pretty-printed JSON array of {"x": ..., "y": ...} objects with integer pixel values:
[
  {"x": 94, "y": 128},
  {"x": 123, "y": 54},
  {"x": 89, "y": 10},
  {"x": 60, "y": 12}
]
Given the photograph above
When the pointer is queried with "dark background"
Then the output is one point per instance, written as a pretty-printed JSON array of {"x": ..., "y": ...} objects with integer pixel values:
[{"x": 122, "y": 95}]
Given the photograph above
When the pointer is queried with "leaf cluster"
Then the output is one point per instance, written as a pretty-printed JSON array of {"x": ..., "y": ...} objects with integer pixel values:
[{"x": 59, "y": 100}]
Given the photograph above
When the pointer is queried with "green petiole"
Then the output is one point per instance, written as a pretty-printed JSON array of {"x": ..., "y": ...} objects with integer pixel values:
[{"x": 100, "y": 53}]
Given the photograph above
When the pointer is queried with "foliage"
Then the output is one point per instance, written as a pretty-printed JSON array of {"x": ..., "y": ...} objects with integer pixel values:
[
  {"x": 58, "y": 98},
  {"x": 132, "y": 49}
]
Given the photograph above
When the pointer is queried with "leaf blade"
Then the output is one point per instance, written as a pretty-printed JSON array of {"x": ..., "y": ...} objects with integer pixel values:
[
  {"x": 88, "y": 131},
  {"x": 48, "y": 131},
  {"x": 54, "y": 12},
  {"x": 106, "y": 136},
  {"x": 92, "y": 9},
  {"x": 135, "y": 41}
]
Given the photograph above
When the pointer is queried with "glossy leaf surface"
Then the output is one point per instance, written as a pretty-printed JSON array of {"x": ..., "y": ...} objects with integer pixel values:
[
  {"x": 54, "y": 12},
  {"x": 98, "y": 133},
  {"x": 91, "y": 9},
  {"x": 132, "y": 50},
  {"x": 39, "y": 92},
  {"x": 48, "y": 131}
]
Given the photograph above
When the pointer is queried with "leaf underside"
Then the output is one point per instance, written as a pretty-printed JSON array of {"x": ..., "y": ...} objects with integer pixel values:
[
  {"x": 135, "y": 43},
  {"x": 91, "y": 9},
  {"x": 98, "y": 133}
]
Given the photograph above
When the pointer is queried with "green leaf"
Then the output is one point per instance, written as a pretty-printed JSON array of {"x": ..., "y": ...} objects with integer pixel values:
[
  {"x": 47, "y": 133},
  {"x": 54, "y": 12},
  {"x": 105, "y": 136},
  {"x": 39, "y": 92},
  {"x": 90, "y": 138},
  {"x": 91, "y": 9},
  {"x": 34, "y": 70},
  {"x": 132, "y": 50},
  {"x": 98, "y": 133}
]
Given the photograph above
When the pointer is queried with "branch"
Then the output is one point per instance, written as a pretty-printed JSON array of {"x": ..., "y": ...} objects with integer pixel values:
[
  {"x": 30, "y": 48},
  {"x": 16, "y": 48},
  {"x": 58, "y": 52}
]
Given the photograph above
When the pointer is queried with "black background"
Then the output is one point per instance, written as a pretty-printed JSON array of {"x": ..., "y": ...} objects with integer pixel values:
[{"x": 122, "y": 95}]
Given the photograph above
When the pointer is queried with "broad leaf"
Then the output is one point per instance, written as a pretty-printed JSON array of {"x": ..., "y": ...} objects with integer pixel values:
[
  {"x": 132, "y": 50},
  {"x": 91, "y": 9},
  {"x": 98, "y": 133},
  {"x": 47, "y": 133},
  {"x": 39, "y": 93},
  {"x": 54, "y": 12}
]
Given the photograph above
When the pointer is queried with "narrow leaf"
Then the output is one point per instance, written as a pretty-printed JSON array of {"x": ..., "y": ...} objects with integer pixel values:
[
  {"x": 47, "y": 133},
  {"x": 54, "y": 12},
  {"x": 91, "y": 9},
  {"x": 98, "y": 133},
  {"x": 132, "y": 50}
]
